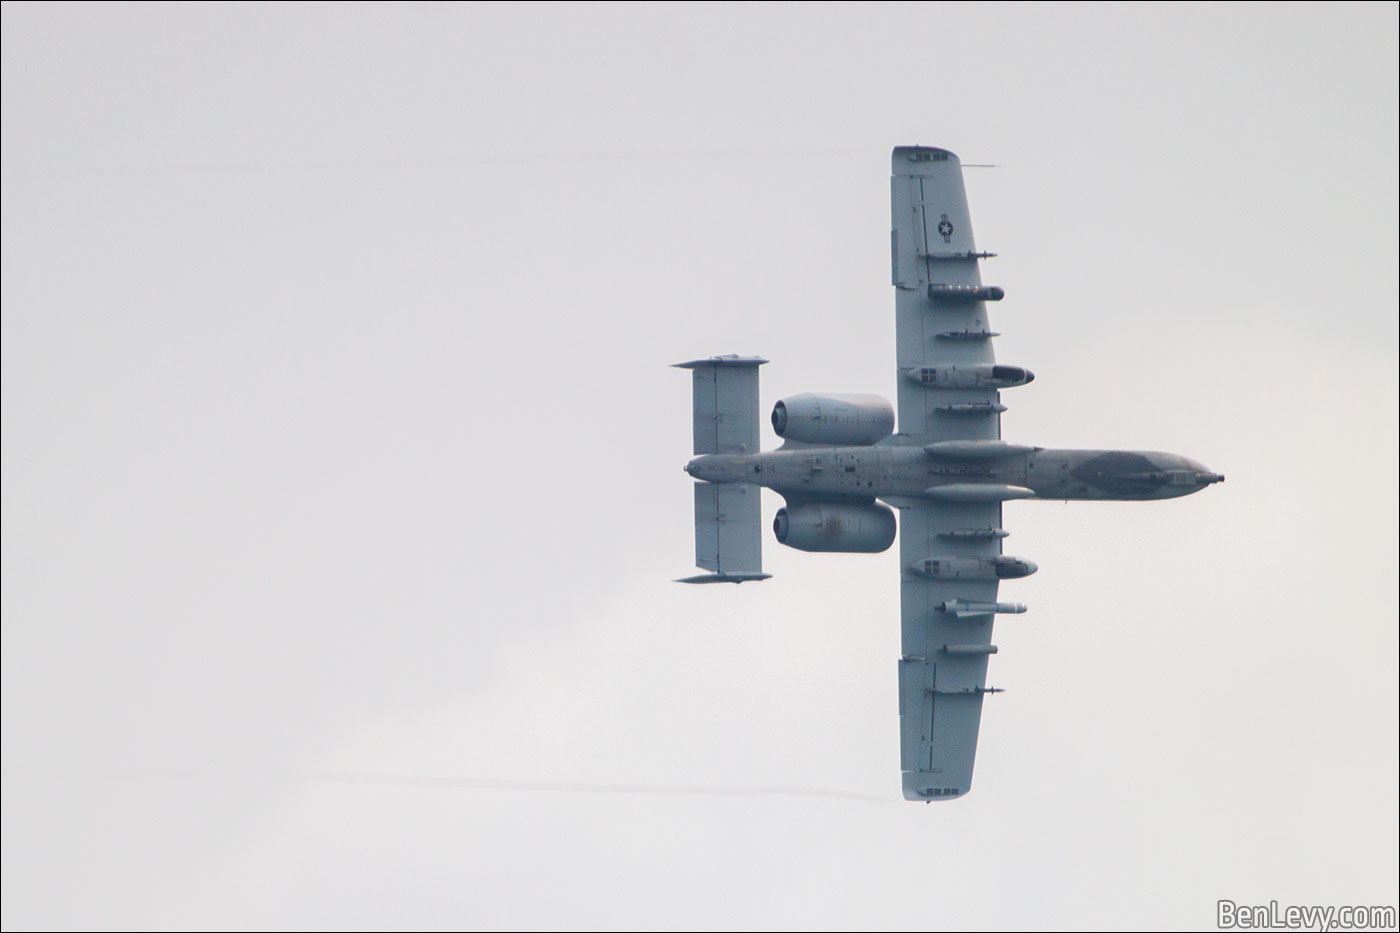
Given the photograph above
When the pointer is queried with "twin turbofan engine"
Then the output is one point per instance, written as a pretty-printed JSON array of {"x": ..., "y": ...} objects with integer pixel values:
[
  {"x": 835, "y": 420},
  {"x": 828, "y": 526}
]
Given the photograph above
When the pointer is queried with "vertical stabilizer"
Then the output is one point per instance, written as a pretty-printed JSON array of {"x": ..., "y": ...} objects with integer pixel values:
[{"x": 725, "y": 403}]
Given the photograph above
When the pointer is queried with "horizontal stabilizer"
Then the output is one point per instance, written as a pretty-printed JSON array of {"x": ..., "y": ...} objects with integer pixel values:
[
  {"x": 728, "y": 539},
  {"x": 724, "y": 402}
]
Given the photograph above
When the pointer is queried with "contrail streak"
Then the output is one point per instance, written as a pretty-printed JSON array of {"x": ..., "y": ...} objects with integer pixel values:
[
  {"x": 430, "y": 162},
  {"x": 370, "y": 778}
]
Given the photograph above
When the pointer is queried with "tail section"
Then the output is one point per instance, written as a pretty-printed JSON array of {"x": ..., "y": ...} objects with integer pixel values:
[
  {"x": 725, "y": 418},
  {"x": 728, "y": 539}
]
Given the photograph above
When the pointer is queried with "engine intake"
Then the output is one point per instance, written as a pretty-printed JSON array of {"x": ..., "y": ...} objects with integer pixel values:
[
  {"x": 836, "y": 527},
  {"x": 839, "y": 420}
]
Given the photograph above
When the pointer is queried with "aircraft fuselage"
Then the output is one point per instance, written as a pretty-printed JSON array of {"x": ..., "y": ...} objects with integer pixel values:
[{"x": 890, "y": 471}]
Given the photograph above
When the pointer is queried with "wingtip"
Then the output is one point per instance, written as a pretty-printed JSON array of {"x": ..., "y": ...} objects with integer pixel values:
[
  {"x": 930, "y": 787},
  {"x": 919, "y": 160}
]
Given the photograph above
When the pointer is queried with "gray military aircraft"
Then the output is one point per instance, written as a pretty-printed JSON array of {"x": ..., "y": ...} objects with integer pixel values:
[{"x": 946, "y": 470}]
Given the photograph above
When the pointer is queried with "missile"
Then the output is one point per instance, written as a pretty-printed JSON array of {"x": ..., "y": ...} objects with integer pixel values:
[
  {"x": 963, "y": 608},
  {"x": 975, "y": 533},
  {"x": 967, "y": 335},
  {"x": 972, "y": 408}
]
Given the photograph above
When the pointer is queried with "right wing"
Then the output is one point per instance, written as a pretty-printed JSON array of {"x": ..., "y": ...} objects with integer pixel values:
[{"x": 943, "y": 670}]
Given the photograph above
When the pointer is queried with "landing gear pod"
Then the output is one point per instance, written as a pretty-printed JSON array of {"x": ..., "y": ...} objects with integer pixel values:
[
  {"x": 974, "y": 568},
  {"x": 973, "y": 376}
]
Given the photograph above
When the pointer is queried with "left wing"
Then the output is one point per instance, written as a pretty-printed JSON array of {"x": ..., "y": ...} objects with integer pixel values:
[
  {"x": 941, "y": 326},
  {"x": 940, "y": 302}
]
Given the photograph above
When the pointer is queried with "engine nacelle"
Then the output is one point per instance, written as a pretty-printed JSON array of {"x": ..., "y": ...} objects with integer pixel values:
[
  {"x": 848, "y": 529},
  {"x": 839, "y": 420}
]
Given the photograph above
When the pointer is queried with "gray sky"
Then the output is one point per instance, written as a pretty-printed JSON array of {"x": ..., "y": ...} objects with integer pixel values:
[{"x": 338, "y": 439}]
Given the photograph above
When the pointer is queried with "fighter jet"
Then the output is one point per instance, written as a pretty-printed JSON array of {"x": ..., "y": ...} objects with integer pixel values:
[{"x": 845, "y": 467}]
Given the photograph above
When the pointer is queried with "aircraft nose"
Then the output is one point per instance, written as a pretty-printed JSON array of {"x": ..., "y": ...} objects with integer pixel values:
[{"x": 702, "y": 468}]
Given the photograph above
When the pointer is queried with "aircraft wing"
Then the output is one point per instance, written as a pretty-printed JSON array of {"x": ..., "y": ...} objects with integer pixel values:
[
  {"x": 946, "y": 642},
  {"x": 940, "y": 320}
]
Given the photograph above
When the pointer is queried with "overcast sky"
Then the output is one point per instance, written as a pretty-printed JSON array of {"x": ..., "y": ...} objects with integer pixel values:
[{"x": 339, "y": 441}]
